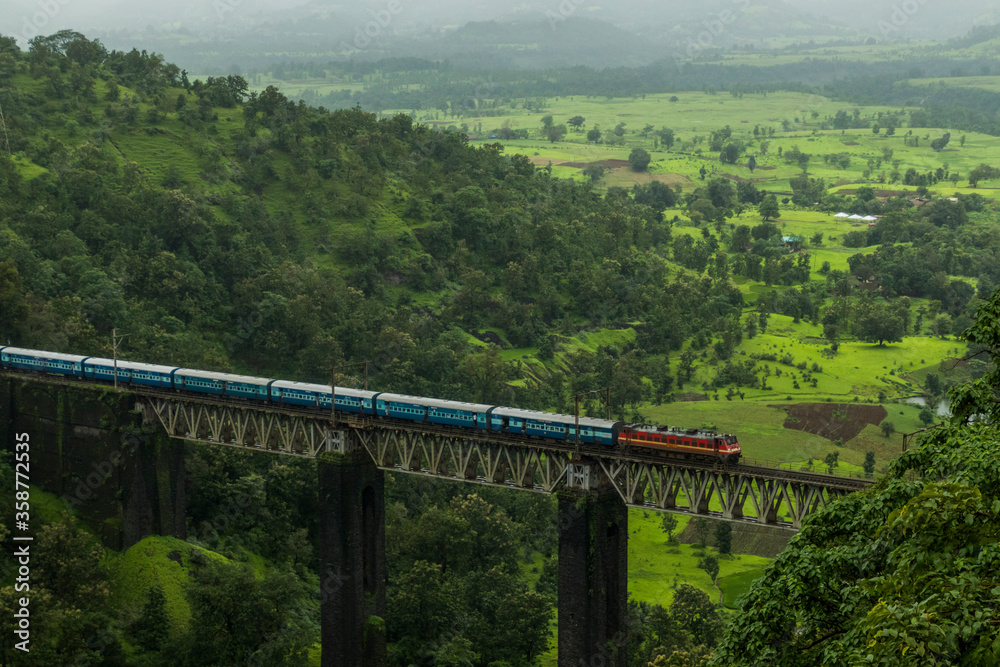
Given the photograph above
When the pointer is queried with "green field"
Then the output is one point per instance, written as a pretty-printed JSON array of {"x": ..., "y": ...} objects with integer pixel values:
[
  {"x": 991, "y": 83},
  {"x": 773, "y": 173},
  {"x": 655, "y": 568}
]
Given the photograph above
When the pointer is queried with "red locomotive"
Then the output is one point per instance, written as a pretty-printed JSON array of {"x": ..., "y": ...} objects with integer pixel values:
[{"x": 688, "y": 443}]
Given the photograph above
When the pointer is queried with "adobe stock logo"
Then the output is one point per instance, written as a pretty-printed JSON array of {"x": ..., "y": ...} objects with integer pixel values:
[
  {"x": 47, "y": 10},
  {"x": 566, "y": 9},
  {"x": 363, "y": 35},
  {"x": 900, "y": 16},
  {"x": 715, "y": 27}
]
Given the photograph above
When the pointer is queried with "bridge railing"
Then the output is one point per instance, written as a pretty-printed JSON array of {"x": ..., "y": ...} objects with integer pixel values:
[{"x": 818, "y": 467}]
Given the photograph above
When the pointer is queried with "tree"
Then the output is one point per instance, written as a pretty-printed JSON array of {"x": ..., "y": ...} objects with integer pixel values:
[
  {"x": 926, "y": 417},
  {"x": 594, "y": 134},
  {"x": 887, "y": 428},
  {"x": 724, "y": 537},
  {"x": 666, "y": 137},
  {"x": 711, "y": 566},
  {"x": 769, "y": 208},
  {"x": 741, "y": 240},
  {"x": 488, "y": 374},
  {"x": 525, "y": 616},
  {"x": 546, "y": 121},
  {"x": 455, "y": 651},
  {"x": 869, "y": 465},
  {"x": 748, "y": 193},
  {"x": 752, "y": 163},
  {"x": 832, "y": 460},
  {"x": 933, "y": 384},
  {"x": 235, "y": 616},
  {"x": 668, "y": 525},
  {"x": 555, "y": 133},
  {"x": 940, "y": 143},
  {"x": 655, "y": 194},
  {"x": 722, "y": 193},
  {"x": 576, "y": 122},
  {"x": 731, "y": 152},
  {"x": 13, "y": 304},
  {"x": 694, "y": 611},
  {"x": 69, "y": 594},
  {"x": 879, "y": 323},
  {"x": 701, "y": 529},
  {"x": 639, "y": 158},
  {"x": 983, "y": 172},
  {"x": 944, "y": 213},
  {"x": 696, "y": 656},
  {"x": 152, "y": 627},
  {"x": 594, "y": 172}
]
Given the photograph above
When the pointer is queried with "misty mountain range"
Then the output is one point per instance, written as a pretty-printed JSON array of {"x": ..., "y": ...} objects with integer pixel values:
[{"x": 207, "y": 35}]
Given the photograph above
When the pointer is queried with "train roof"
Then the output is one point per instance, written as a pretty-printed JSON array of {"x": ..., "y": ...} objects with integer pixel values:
[
  {"x": 132, "y": 365},
  {"x": 356, "y": 393},
  {"x": 676, "y": 430},
  {"x": 435, "y": 402},
  {"x": 59, "y": 356},
  {"x": 303, "y": 386},
  {"x": 227, "y": 377},
  {"x": 554, "y": 417}
]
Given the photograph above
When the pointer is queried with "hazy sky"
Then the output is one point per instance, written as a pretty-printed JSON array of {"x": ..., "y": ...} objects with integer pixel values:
[{"x": 896, "y": 19}]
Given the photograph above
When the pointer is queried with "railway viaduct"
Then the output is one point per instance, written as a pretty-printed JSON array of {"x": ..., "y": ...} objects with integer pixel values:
[{"x": 117, "y": 456}]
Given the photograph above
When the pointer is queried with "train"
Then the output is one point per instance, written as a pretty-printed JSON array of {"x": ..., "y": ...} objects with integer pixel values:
[{"x": 668, "y": 441}]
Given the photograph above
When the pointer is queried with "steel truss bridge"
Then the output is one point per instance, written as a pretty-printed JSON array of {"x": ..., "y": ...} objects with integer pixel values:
[{"x": 749, "y": 493}]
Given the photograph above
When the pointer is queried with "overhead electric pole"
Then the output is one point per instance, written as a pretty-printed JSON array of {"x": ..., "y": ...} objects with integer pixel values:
[
  {"x": 114, "y": 352},
  {"x": 606, "y": 395}
]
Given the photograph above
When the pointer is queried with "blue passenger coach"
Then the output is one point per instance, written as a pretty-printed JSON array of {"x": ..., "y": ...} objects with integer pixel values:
[
  {"x": 552, "y": 425},
  {"x": 354, "y": 400},
  {"x": 153, "y": 375},
  {"x": 221, "y": 384},
  {"x": 437, "y": 411},
  {"x": 42, "y": 362},
  {"x": 301, "y": 393}
]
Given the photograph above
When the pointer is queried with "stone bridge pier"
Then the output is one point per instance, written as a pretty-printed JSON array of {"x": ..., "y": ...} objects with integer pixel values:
[
  {"x": 92, "y": 448},
  {"x": 593, "y": 570},
  {"x": 352, "y": 557}
]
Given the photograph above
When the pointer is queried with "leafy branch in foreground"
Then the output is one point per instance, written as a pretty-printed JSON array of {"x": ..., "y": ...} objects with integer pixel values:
[{"x": 904, "y": 573}]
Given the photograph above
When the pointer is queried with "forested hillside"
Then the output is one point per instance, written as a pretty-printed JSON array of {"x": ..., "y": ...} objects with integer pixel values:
[{"x": 285, "y": 239}]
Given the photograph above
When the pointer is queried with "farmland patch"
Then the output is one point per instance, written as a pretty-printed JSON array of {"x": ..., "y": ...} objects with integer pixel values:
[{"x": 833, "y": 420}]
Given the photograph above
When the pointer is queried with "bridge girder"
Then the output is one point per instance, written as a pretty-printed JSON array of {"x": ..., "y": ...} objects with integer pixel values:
[{"x": 721, "y": 492}]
